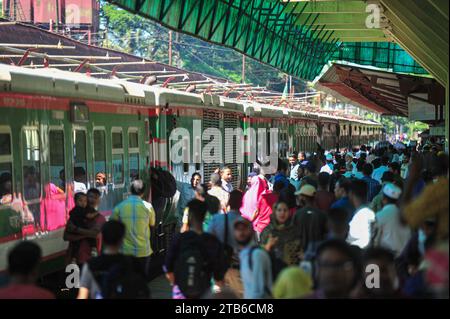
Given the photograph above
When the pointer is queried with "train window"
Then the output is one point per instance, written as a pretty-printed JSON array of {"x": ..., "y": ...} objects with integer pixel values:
[
  {"x": 134, "y": 166},
  {"x": 117, "y": 156},
  {"x": 79, "y": 160},
  {"x": 56, "y": 148},
  {"x": 133, "y": 154},
  {"x": 5, "y": 143},
  {"x": 117, "y": 142},
  {"x": 6, "y": 180},
  {"x": 31, "y": 164},
  {"x": 133, "y": 139},
  {"x": 100, "y": 157}
]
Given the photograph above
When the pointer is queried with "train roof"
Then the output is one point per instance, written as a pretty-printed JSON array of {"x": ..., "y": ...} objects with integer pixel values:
[{"x": 55, "y": 82}]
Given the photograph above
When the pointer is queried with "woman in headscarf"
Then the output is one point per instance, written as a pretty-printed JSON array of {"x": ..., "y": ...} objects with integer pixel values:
[
  {"x": 249, "y": 209},
  {"x": 292, "y": 282},
  {"x": 287, "y": 247}
]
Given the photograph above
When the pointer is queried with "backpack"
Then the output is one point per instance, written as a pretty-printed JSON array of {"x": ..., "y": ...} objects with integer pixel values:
[
  {"x": 190, "y": 270},
  {"x": 120, "y": 280}
]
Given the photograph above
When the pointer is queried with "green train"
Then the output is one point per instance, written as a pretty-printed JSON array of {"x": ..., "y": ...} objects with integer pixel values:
[{"x": 59, "y": 129}]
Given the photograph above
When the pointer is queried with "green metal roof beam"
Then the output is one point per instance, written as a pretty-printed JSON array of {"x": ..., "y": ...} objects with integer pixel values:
[
  {"x": 330, "y": 19},
  {"x": 441, "y": 6},
  {"x": 333, "y": 7}
]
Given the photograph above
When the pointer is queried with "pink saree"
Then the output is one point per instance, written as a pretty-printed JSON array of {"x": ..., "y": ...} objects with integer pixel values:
[{"x": 252, "y": 197}]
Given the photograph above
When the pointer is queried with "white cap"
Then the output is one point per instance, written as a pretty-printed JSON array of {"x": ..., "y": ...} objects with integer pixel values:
[
  {"x": 392, "y": 191},
  {"x": 307, "y": 190}
]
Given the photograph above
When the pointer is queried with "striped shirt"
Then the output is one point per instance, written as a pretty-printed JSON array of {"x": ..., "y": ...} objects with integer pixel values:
[{"x": 137, "y": 215}]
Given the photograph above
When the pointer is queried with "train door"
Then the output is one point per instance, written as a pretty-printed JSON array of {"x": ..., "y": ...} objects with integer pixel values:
[
  {"x": 284, "y": 142},
  {"x": 211, "y": 119},
  {"x": 32, "y": 177},
  {"x": 102, "y": 168},
  {"x": 118, "y": 163},
  {"x": 231, "y": 120},
  {"x": 54, "y": 213},
  {"x": 10, "y": 220}
]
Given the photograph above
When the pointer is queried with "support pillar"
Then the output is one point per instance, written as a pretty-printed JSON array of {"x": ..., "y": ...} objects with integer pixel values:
[{"x": 446, "y": 112}]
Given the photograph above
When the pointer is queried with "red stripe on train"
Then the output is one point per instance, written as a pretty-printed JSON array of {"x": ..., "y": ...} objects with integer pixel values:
[{"x": 30, "y": 101}]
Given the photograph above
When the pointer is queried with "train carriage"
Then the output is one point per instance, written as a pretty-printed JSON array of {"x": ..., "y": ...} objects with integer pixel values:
[{"x": 71, "y": 127}]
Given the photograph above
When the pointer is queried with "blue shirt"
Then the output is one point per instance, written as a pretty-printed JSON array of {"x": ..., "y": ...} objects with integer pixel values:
[
  {"x": 378, "y": 173},
  {"x": 217, "y": 227},
  {"x": 187, "y": 193},
  {"x": 257, "y": 281},
  {"x": 296, "y": 183},
  {"x": 373, "y": 187},
  {"x": 344, "y": 203},
  {"x": 281, "y": 177},
  {"x": 294, "y": 172}
]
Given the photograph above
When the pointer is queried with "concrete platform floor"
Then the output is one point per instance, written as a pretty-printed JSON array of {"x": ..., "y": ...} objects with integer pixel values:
[{"x": 160, "y": 288}]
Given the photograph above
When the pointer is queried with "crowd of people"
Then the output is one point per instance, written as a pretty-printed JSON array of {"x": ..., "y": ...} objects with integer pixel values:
[{"x": 364, "y": 223}]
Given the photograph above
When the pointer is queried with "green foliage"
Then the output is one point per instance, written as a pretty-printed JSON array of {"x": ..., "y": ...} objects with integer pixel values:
[{"x": 398, "y": 125}]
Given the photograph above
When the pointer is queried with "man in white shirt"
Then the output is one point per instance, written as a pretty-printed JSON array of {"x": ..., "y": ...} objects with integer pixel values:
[
  {"x": 226, "y": 176},
  {"x": 361, "y": 223},
  {"x": 294, "y": 165},
  {"x": 404, "y": 169},
  {"x": 378, "y": 172},
  {"x": 349, "y": 161},
  {"x": 390, "y": 232},
  {"x": 79, "y": 178},
  {"x": 328, "y": 164},
  {"x": 218, "y": 191}
]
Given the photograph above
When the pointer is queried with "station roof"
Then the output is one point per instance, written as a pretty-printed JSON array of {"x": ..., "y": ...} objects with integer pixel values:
[
  {"x": 300, "y": 36},
  {"x": 379, "y": 90}
]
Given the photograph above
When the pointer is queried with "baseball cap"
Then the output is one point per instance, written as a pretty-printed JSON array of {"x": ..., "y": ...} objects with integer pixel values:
[
  {"x": 349, "y": 154},
  {"x": 242, "y": 221},
  {"x": 307, "y": 190},
  {"x": 329, "y": 157},
  {"x": 392, "y": 191}
]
